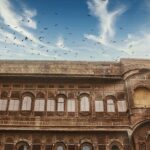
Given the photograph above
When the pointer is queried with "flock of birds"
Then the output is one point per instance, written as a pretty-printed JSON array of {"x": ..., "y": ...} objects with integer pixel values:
[{"x": 56, "y": 52}]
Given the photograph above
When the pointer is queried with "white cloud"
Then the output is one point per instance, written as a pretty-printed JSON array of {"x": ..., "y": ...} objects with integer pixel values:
[
  {"x": 106, "y": 20},
  {"x": 9, "y": 38},
  {"x": 15, "y": 22},
  {"x": 27, "y": 17},
  {"x": 60, "y": 42}
]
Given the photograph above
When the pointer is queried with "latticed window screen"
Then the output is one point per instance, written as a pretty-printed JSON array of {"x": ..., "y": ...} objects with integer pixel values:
[
  {"x": 13, "y": 105},
  {"x": 39, "y": 105},
  {"x": 142, "y": 146},
  {"x": 71, "y": 105},
  {"x": 84, "y": 104},
  {"x": 101, "y": 147},
  {"x": 26, "y": 103},
  {"x": 50, "y": 105},
  {"x": 9, "y": 147},
  {"x": 110, "y": 105},
  {"x": 60, "y": 104},
  {"x": 48, "y": 147},
  {"x": 99, "y": 106},
  {"x": 122, "y": 106},
  {"x": 3, "y": 104},
  {"x": 36, "y": 147},
  {"x": 71, "y": 147}
]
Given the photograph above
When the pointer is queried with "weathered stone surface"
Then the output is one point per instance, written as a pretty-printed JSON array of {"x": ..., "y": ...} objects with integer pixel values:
[{"x": 44, "y": 130}]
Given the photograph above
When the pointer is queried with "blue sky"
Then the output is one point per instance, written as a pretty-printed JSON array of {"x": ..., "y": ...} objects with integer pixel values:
[{"x": 92, "y": 30}]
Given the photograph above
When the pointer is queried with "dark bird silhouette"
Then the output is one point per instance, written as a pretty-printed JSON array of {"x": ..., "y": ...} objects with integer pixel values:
[{"x": 26, "y": 38}]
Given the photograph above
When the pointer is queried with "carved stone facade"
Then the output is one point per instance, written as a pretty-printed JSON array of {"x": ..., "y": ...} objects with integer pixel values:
[{"x": 48, "y": 105}]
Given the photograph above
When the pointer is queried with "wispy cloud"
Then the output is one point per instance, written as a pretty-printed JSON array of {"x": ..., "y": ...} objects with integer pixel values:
[
  {"x": 18, "y": 22},
  {"x": 106, "y": 20},
  {"x": 60, "y": 42}
]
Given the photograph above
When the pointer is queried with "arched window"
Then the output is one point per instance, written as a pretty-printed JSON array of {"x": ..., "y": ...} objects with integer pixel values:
[
  {"x": 84, "y": 103},
  {"x": 60, "y": 104},
  {"x": 114, "y": 147},
  {"x": 110, "y": 105},
  {"x": 26, "y": 103},
  {"x": 71, "y": 105},
  {"x": 99, "y": 105},
  {"x": 60, "y": 146},
  {"x": 86, "y": 146},
  {"x": 22, "y": 146}
]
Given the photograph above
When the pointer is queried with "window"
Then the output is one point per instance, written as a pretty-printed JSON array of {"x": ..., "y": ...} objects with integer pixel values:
[
  {"x": 3, "y": 104},
  {"x": 50, "y": 105},
  {"x": 39, "y": 105},
  {"x": 9, "y": 146},
  {"x": 36, "y": 147},
  {"x": 60, "y": 147},
  {"x": 13, "y": 105},
  {"x": 86, "y": 146},
  {"x": 142, "y": 146},
  {"x": 26, "y": 103},
  {"x": 122, "y": 107},
  {"x": 84, "y": 104},
  {"x": 71, "y": 105},
  {"x": 110, "y": 105},
  {"x": 114, "y": 147},
  {"x": 99, "y": 106},
  {"x": 72, "y": 147},
  {"x": 22, "y": 146},
  {"x": 60, "y": 104},
  {"x": 48, "y": 147}
]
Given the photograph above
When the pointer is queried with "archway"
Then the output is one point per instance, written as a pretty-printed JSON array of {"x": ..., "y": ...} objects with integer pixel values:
[
  {"x": 22, "y": 146},
  {"x": 140, "y": 135}
]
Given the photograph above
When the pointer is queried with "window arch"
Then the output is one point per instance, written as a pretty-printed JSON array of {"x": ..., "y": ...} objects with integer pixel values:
[
  {"x": 60, "y": 146},
  {"x": 26, "y": 103},
  {"x": 114, "y": 147},
  {"x": 22, "y": 146},
  {"x": 110, "y": 103},
  {"x": 86, "y": 146},
  {"x": 84, "y": 103}
]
